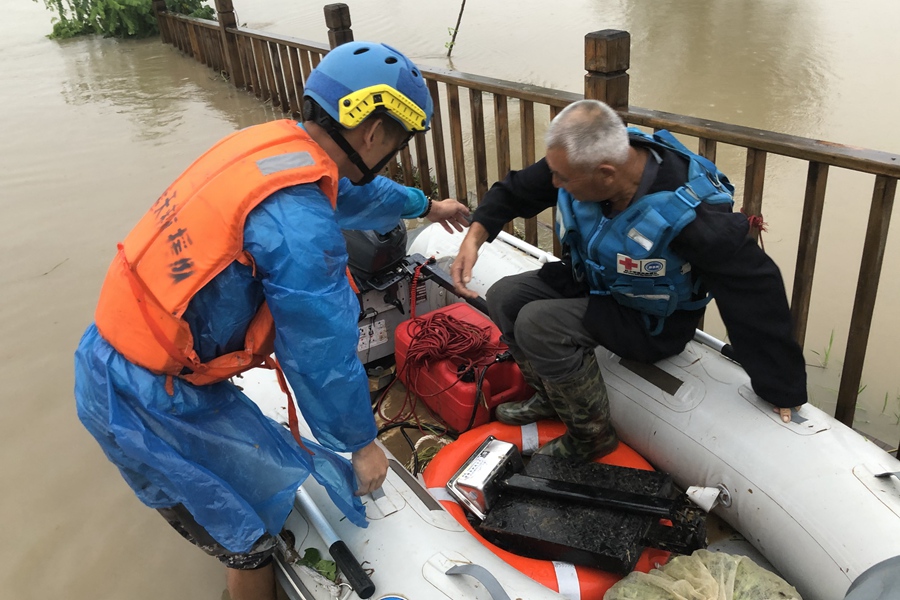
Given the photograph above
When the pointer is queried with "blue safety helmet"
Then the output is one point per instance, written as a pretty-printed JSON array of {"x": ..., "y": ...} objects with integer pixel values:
[{"x": 358, "y": 79}]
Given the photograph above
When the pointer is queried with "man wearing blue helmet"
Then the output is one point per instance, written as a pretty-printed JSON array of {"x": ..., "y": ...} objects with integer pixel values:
[{"x": 240, "y": 257}]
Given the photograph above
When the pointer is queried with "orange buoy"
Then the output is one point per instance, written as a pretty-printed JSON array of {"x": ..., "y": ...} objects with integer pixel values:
[{"x": 573, "y": 581}]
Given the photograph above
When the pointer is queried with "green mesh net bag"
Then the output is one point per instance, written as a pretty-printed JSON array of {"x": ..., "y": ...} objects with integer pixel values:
[{"x": 704, "y": 575}]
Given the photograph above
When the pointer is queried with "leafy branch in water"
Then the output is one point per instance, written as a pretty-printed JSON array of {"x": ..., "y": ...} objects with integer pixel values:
[
  {"x": 454, "y": 30},
  {"x": 116, "y": 18}
]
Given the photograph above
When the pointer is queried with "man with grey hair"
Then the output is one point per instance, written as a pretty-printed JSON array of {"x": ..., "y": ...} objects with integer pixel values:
[{"x": 649, "y": 237}]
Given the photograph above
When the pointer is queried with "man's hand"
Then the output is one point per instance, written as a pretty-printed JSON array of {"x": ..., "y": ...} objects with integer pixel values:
[
  {"x": 450, "y": 214},
  {"x": 785, "y": 413},
  {"x": 461, "y": 269},
  {"x": 370, "y": 465}
]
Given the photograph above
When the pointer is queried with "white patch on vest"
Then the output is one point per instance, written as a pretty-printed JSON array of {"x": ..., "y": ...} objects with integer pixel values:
[
  {"x": 640, "y": 240},
  {"x": 283, "y": 162},
  {"x": 647, "y": 267}
]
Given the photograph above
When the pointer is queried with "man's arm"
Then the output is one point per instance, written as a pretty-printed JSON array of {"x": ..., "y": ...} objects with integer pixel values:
[
  {"x": 380, "y": 204},
  {"x": 750, "y": 295},
  {"x": 301, "y": 260},
  {"x": 522, "y": 193}
]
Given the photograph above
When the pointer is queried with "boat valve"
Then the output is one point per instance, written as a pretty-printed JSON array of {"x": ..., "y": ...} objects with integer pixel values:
[{"x": 708, "y": 497}]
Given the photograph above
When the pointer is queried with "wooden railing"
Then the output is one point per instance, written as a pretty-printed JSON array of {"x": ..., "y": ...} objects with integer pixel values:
[{"x": 451, "y": 160}]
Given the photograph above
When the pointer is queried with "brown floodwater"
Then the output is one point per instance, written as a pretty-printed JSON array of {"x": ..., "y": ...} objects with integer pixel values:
[{"x": 94, "y": 129}]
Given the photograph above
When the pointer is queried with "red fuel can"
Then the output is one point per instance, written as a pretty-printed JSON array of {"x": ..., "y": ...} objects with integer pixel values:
[{"x": 450, "y": 394}]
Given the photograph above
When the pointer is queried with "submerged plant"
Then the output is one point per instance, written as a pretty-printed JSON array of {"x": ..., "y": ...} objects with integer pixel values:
[{"x": 825, "y": 355}]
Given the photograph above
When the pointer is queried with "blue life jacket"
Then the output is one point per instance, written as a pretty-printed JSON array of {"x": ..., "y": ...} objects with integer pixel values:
[{"x": 628, "y": 256}]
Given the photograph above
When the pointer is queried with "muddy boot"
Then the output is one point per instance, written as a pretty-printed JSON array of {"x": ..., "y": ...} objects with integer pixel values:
[
  {"x": 582, "y": 404},
  {"x": 527, "y": 411}
]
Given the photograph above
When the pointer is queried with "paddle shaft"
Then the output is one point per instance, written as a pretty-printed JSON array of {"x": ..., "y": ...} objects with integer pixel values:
[{"x": 357, "y": 577}]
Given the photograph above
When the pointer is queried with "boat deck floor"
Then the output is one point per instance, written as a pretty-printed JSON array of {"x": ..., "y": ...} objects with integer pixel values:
[{"x": 393, "y": 402}]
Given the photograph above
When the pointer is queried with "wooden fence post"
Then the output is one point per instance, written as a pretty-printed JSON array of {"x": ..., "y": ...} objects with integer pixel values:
[
  {"x": 337, "y": 18},
  {"x": 607, "y": 56},
  {"x": 228, "y": 20},
  {"x": 159, "y": 7}
]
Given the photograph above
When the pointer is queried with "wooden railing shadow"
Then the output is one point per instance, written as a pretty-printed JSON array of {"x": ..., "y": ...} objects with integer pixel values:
[{"x": 452, "y": 159}]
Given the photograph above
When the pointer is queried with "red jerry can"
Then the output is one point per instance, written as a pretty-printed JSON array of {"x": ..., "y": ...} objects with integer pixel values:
[{"x": 445, "y": 386}]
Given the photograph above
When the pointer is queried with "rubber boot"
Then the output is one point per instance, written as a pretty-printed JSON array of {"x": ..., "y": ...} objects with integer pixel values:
[
  {"x": 582, "y": 404},
  {"x": 527, "y": 411}
]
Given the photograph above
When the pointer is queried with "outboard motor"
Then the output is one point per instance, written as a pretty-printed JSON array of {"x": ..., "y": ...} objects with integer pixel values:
[{"x": 379, "y": 268}]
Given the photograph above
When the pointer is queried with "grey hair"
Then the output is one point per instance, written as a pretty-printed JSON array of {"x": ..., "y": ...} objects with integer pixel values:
[{"x": 591, "y": 133}]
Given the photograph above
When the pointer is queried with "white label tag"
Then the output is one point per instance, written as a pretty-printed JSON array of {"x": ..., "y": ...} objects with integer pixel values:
[
  {"x": 372, "y": 335},
  {"x": 648, "y": 267}
]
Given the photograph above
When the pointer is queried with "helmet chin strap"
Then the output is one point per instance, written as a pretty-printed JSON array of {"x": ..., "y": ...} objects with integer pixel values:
[
  {"x": 313, "y": 111},
  {"x": 367, "y": 174}
]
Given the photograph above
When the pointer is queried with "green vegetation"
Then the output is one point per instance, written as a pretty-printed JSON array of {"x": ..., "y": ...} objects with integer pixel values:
[
  {"x": 825, "y": 355},
  {"x": 115, "y": 18},
  {"x": 312, "y": 558}
]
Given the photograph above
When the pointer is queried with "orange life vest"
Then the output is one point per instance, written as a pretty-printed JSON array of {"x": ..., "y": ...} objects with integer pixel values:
[{"x": 190, "y": 235}]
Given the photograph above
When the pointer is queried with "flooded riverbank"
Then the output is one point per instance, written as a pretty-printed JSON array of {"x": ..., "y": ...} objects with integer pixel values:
[{"x": 94, "y": 129}]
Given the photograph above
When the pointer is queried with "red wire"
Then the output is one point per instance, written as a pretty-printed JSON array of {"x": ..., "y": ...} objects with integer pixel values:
[{"x": 434, "y": 337}]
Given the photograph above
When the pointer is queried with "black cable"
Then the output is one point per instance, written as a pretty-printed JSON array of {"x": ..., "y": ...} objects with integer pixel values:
[{"x": 502, "y": 357}]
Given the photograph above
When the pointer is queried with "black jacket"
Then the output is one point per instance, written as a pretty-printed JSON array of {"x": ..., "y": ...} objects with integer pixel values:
[{"x": 745, "y": 282}]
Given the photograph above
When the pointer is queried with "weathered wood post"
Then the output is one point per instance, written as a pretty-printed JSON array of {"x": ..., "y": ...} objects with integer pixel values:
[
  {"x": 228, "y": 20},
  {"x": 337, "y": 18},
  {"x": 607, "y": 56},
  {"x": 159, "y": 7}
]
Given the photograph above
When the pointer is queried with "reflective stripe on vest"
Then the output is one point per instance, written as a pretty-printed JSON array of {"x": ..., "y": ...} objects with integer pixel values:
[{"x": 190, "y": 235}]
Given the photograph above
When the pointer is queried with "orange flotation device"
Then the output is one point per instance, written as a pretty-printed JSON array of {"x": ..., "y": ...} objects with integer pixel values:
[
  {"x": 574, "y": 581},
  {"x": 190, "y": 235}
]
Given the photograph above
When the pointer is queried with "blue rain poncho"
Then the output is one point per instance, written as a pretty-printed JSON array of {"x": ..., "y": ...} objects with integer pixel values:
[{"x": 210, "y": 448}]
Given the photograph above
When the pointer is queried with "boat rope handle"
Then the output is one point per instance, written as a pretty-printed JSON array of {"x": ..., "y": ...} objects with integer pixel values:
[{"x": 485, "y": 577}]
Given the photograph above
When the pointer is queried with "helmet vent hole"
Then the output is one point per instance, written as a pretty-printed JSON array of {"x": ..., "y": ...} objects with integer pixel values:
[
  {"x": 360, "y": 50},
  {"x": 390, "y": 60},
  {"x": 415, "y": 73}
]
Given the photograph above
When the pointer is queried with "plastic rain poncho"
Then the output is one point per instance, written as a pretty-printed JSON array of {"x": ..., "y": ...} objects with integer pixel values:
[{"x": 210, "y": 448}]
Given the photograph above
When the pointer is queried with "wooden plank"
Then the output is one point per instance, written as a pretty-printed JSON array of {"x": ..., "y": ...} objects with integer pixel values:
[
  {"x": 258, "y": 49},
  {"x": 810, "y": 227},
  {"x": 278, "y": 74},
  {"x": 406, "y": 162},
  {"x": 476, "y": 109},
  {"x": 753, "y": 186},
  {"x": 437, "y": 140},
  {"x": 838, "y": 155},
  {"x": 510, "y": 89},
  {"x": 315, "y": 58},
  {"x": 707, "y": 149},
  {"x": 305, "y": 64},
  {"x": 526, "y": 137},
  {"x": 456, "y": 144},
  {"x": 245, "y": 52},
  {"x": 284, "y": 39},
  {"x": 422, "y": 165},
  {"x": 253, "y": 66},
  {"x": 866, "y": 292},
  {"x": 195, "y": 49},
  {"x": 501, "y": 138},
  {"x": 291, "y": 73},
  {"x": 270, "y": 75}
]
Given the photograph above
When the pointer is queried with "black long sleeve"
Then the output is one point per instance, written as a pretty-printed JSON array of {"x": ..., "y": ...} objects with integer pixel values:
[
  {"x": 522, "y": 193},
  {"x": 751, "y": 298},
  {"x": 745, "y": 282}
]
